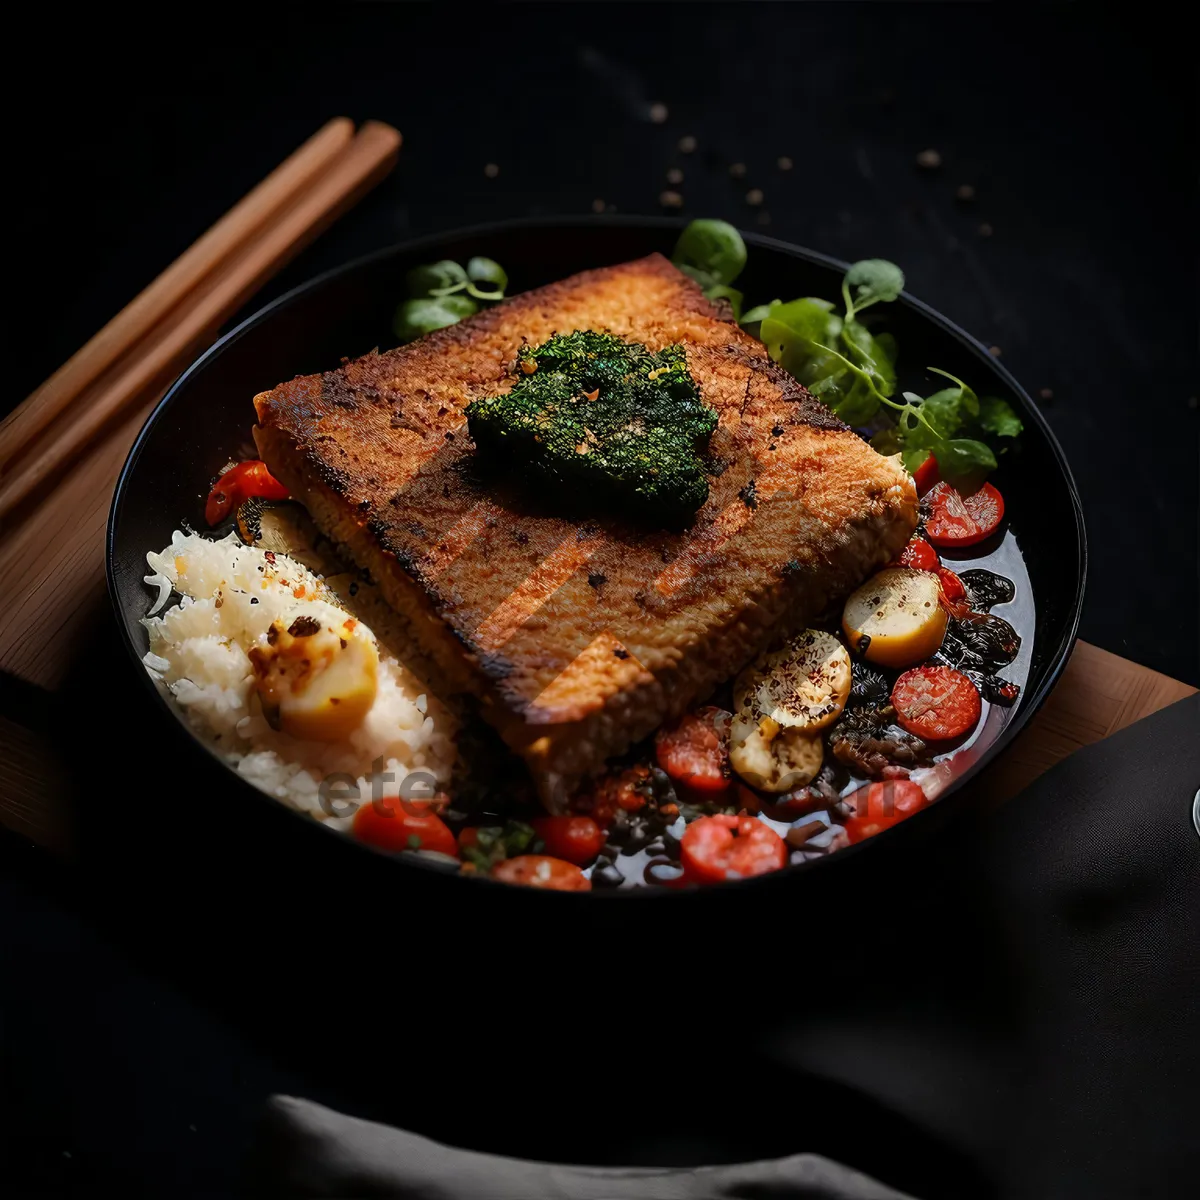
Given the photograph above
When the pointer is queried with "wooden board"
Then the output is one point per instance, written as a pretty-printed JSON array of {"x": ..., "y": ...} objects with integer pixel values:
[
  {"x": 52, "y": 563},
  {"x": 1098, "y": 694}
]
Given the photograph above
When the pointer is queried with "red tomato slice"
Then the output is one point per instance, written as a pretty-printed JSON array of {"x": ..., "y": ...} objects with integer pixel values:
[
  {"x": 954, "y": 593},
  {"x": 935, "y": 703},
  {"x": 541, "y": 871},
  {"x": 926, "y": 475},
  {"x": 715, "y": 849},
  {"x": 694, "y": 751},
  {"x": 919, "y": 555},
  {"x": 880, "y": 806},
  {"x": 238, "y": 484},
  {"x": 958, "y": 520},
  {"x": 396, "y": 825},
  {"x": 577, "y": 839}
]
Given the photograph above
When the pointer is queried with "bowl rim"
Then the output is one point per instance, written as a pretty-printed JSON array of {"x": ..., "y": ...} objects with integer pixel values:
[{"x": 1028, "y": 706}]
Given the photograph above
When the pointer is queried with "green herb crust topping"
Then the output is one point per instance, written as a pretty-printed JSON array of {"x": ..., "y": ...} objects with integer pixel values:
[{"x": 603, "y": 420}]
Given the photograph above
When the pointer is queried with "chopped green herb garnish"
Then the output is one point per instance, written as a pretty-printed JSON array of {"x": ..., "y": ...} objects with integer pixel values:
[
  {"x": 604, "y": 421},
  {"x": 494, "y": 843}
]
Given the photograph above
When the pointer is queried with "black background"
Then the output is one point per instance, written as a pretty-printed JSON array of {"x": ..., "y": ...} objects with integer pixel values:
[
  {"x": 143, "y": 1069},
  {"x": 1075, "y": 127}
]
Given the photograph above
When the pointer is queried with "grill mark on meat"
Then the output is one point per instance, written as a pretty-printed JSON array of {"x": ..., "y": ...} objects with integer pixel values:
[
  {"x": 516, "y": 608},
  {"x": 456, "y": 539}
]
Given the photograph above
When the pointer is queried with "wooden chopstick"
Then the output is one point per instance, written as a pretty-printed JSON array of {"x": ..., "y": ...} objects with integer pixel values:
[
  {"x": 169, "y": 346},
  {"x": 155, "y": 302}
]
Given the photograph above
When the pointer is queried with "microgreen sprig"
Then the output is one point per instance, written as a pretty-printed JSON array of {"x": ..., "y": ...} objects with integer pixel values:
[{"x": 445, "y": 292}]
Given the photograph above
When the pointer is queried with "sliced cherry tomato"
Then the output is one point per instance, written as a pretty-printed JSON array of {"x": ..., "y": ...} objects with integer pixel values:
[
  {"x": 718, "y": 848},
  {"x": 919, "y": 555},
  {"x": 577, "y": 839},
  {"x": 408, "y": 825},
  {"x": 958, "y": 520},
  {"x": 238, "y": 484},
  {"x": 926, "y": 475},
  {"x": 935, "y": 703},
  {"x": 880, "y": 806},
  {"x": 694, "y": 750},
  {"x": 954, "y": 593},
  {"x": 542, "y": 871}
]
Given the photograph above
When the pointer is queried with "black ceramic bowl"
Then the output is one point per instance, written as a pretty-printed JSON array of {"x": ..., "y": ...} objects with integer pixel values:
[{"x": 206, "y": 417}]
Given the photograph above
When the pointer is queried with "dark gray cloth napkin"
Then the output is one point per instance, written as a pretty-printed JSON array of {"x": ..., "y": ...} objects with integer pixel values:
[
  {"x": 1019, "y": 998},
  {"x": 320, "y": 1153}
]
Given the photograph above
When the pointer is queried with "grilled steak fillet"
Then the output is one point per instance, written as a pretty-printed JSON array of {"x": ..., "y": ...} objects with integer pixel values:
[{"x": 578, "y": 638}]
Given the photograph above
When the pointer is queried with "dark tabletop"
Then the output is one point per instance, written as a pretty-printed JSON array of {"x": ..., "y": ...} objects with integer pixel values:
[{"x": 1076, "y": 131}]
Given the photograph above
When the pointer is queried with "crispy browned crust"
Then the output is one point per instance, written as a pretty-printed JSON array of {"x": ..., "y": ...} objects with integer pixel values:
[{"x": 578, "y": 638}]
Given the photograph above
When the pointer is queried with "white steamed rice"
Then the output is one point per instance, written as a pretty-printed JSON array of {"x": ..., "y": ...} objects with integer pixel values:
[{"x": 231, "y": 594}]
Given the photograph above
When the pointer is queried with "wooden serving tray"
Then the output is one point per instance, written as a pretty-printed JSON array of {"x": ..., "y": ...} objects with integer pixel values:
[{"x": 52, "y": 576}]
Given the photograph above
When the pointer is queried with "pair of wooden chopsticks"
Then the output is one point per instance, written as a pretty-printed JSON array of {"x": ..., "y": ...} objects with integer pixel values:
[{"x": 158, "y": 333}]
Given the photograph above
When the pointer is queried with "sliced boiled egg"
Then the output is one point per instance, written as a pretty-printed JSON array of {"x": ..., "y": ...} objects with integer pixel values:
[
  {"x": 803, "y": 686},
  {"x": 317, "y": 676},
  {"x": 771, "y": 757},
  {"x": 896, "y": 618}
]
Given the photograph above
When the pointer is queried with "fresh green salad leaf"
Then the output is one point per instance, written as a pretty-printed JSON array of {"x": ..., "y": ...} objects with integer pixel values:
[
  {"x": 871, "y": 354},
  {"x": 869, "y": 281},
  {"x": 996, "y": 417},
  {"x": 722, "y": 291},
  {"x": 422, "y": 315},
  {"x": 964, "y": 461},
  {"x": 852, "y": 370},
  {"x": 809, "y": 320},
  {"x": 487, "y": 279},
  {"x": 436, "y": 279},
  {"x": 756, "y": 315},
  {"x": 932, "y": 426},
  {"x": 711, "y": 252},
  {"x": 443, "y": 293},
  {"x": 836, "y": 358}
]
